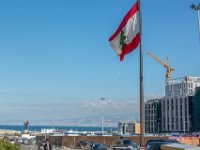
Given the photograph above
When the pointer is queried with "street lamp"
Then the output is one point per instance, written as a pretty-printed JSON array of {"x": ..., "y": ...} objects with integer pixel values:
[{"x": 197, "y": 8}]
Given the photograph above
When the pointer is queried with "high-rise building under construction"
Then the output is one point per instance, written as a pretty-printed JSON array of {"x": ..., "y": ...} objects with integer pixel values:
[
  {"x": 177, "y": 104},
  {"x": 177, "y": 114},
  {"x": 185, "y": 86}
]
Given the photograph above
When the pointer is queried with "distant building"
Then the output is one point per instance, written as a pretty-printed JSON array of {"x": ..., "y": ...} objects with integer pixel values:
[
  {"x": 196, "y": 111},
  {"x": 128, "y": 128},
  {"x": 153, "y": 116},
  {"x": 137, "y": 128},
  {"x": 185, "y": 86},
  {"x": 47, "y": 131},
  {"x": 176, "y": 113}
]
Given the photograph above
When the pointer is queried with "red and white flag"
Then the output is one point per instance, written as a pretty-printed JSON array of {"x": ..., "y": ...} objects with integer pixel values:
[{"x": 127, "y": 36}]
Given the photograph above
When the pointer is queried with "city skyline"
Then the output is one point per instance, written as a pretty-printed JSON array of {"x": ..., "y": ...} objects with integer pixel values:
[{"x": 56, "y": 61}]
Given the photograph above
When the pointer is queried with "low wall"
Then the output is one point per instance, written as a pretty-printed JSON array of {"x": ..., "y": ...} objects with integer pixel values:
[
  {"x": 70, "y": 141},
  {"x": 190, "y": 140}
]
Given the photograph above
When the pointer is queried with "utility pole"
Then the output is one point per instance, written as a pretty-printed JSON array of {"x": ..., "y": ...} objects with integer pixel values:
[
  {"x": 102, "y": 128},
  {"x": 197, "y": 8},
  {"x": 102, "y": 119}
]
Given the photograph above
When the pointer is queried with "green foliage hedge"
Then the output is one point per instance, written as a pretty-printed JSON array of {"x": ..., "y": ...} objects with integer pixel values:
[{"x": 8, "y": 146}]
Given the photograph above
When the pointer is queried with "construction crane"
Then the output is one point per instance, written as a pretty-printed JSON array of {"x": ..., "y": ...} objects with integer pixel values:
[{"x": 166, "y": 65}]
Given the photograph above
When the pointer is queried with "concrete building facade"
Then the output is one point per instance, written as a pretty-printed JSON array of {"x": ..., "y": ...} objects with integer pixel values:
[
  {"x": 185, "y": 86},
  {"x": 176, "y": 107},
  {"x": 128, "y": 128},
  {"x": 176, "y": 114},
  {"x": 153, "y": 116}
]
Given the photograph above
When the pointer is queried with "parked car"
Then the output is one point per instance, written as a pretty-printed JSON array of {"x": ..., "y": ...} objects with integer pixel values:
[
  {"x": 125, "y": 144},
  {"x": 99, "y": 146},
  {"x": 84, "y": 144},
  {"x": 156, "y": 144}
]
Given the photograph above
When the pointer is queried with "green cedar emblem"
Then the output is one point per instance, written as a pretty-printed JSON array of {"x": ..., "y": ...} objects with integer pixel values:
[{"x": 122, "y": 38}]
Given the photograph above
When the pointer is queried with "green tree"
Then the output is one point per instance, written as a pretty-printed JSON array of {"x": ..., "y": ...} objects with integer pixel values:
[{"x": 4, "y": 145}]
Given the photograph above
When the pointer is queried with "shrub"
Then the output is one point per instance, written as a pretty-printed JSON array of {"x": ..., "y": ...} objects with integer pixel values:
[{"x": 4, "y": 145}]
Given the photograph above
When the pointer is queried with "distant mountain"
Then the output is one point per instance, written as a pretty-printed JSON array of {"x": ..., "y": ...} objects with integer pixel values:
[{"x": 108, "y": 121}]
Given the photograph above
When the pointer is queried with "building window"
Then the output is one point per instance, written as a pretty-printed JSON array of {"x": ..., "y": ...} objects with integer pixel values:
[
  {"x": 163, "y": 106},
  {"x": 181, "y": 126}
]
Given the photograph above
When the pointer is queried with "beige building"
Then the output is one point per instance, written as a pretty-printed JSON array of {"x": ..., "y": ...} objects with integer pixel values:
[{"x": 137, "y": 128}]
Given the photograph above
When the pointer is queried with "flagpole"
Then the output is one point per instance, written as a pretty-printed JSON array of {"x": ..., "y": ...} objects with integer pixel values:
[
  {"x": 141, "y": 82},
  {"x": 198, "y": 13}
]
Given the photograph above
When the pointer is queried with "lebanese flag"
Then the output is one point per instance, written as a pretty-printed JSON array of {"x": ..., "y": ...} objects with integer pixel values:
[{"x": 127, "y": 36}]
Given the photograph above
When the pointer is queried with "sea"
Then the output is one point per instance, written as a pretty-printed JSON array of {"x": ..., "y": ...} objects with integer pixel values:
[{"x": 38, "y": 128}]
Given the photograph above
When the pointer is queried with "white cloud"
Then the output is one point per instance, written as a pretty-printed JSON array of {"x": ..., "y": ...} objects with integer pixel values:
[
  {"x": 42, "y": 107},
  {"x": 112, "y": 107}
]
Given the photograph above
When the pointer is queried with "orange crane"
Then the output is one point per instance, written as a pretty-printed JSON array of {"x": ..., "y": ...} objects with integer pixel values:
[{"x": 166, "y": 65}]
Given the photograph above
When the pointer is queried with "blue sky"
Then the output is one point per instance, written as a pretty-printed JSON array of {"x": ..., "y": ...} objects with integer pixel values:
[{"x": 55, "y": 58}]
